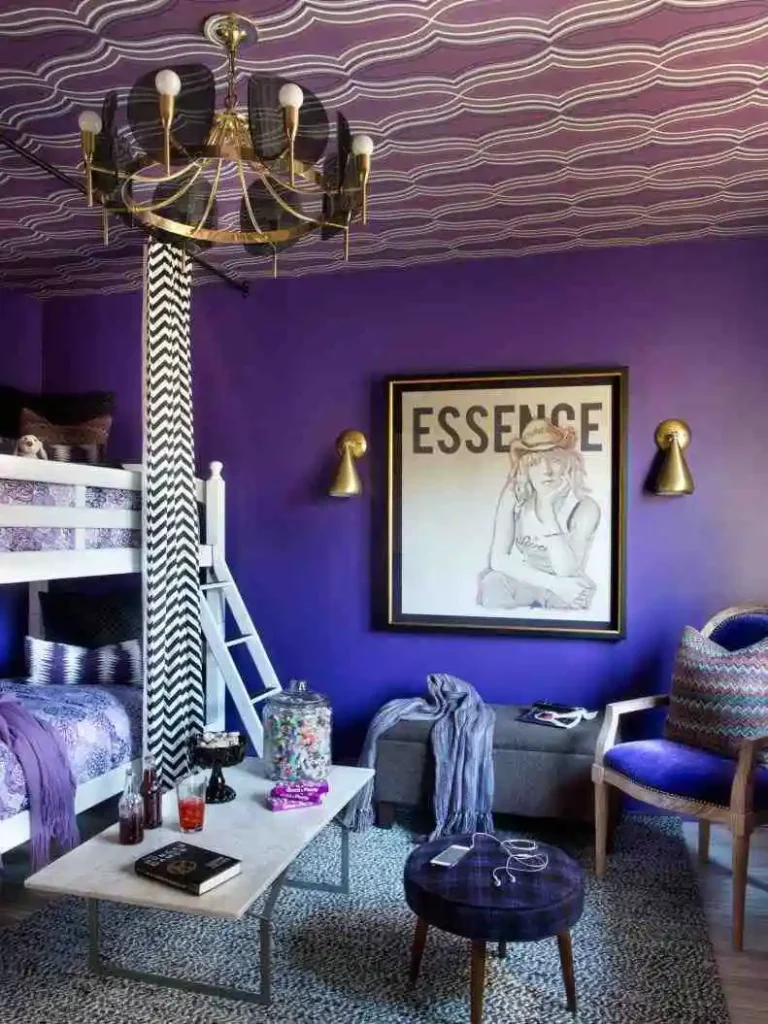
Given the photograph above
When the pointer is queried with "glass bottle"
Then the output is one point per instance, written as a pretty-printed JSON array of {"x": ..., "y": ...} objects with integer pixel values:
[
  {"x": 152, "y": 794},
  {"x": 130, "y": 812}
]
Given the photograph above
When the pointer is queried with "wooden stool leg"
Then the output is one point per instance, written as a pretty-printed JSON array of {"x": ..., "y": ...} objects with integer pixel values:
[
  {"x": 417, "y": 950},
  {"x": 502, "y": 951},
  {"x": 705, "y": 828},
  {"x": 566, "y": 963},
  {"x": 601, "y": 826},
  {"x": 477, "y": 981},
  {"x": 740, "y": 863}
]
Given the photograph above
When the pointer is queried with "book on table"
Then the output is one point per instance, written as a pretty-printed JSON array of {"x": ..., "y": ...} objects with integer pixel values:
[{"x": 187, "y": 867}]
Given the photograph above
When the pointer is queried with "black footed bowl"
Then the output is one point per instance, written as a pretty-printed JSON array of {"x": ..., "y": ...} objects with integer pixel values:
[{"x": 216, "y": 758}]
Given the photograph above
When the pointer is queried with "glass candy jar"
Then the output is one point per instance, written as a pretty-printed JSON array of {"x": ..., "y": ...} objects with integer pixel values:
[{"x": 297, "y": 734}]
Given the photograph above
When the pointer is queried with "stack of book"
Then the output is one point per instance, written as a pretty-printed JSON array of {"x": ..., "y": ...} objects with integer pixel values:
[{"x": 295, "y": 794}]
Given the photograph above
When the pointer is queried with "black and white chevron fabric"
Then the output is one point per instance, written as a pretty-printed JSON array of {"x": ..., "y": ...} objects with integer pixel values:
[{"x": 174, "y": 663}]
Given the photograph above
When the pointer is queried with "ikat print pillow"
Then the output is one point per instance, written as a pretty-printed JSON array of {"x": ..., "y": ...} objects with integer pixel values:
[
  {"x": 51, "y": 663},
  {"x": 719, "y": 697}
]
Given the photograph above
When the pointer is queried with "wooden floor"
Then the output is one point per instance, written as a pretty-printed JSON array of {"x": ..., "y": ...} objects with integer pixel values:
[{"x": 744, "y": 975}]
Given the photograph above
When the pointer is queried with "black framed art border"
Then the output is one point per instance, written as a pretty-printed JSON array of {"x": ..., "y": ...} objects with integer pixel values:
[{"x": 506, "y": 503}]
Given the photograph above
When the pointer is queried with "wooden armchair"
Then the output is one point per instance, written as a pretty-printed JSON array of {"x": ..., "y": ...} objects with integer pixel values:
[{"x": 684, "y": 780}]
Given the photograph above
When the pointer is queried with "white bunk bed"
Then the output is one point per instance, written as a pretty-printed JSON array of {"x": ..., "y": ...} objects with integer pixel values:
[{"x": 64, "y": 521}]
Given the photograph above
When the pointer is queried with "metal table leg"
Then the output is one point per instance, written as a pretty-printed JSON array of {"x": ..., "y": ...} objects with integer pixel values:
[
  {"x": 262, "y": 997},
  {"x": 338, "y": 887}
]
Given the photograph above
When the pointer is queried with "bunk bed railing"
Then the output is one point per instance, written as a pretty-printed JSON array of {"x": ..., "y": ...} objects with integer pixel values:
[{"x": 64, "y": 520}]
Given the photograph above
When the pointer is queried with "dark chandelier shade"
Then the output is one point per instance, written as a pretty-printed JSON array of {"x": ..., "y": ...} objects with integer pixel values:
[{"x": 261, "y": 173}]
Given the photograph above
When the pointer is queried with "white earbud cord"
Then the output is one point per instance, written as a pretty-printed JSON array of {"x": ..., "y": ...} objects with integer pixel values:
[{"x": 522, "y": 854}]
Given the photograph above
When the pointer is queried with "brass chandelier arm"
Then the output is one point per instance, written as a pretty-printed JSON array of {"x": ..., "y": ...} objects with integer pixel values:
[
  {"x": 308, "y": 172},
  {"x": 286, "y": 206},
  {"x": 224, "y": 236},
  {"x": 211, "y": 197},
  {"x": 246, "y": 197},
  {"x": 153, "y": 179},
  {"x": 142, "y": 208}
]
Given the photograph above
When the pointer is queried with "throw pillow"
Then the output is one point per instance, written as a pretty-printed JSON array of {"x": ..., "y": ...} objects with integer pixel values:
[
  {"x": 68, "y": 409},
  {"x": 719, "y": 697},
  {"x": 94, "y": 431},
  {"x": 51, "y": 663},
  {"x": 92, "y": 620},
  {"x": 90, "y": 454}
]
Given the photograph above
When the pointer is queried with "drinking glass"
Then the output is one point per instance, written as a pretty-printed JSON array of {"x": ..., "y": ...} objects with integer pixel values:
[{"x": 190, "y": 793}]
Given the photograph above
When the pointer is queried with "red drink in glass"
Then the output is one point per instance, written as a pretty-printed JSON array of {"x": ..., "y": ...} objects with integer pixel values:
[
  {"x": 191, "y": 813},
  {"x": 190, "y": 793}
]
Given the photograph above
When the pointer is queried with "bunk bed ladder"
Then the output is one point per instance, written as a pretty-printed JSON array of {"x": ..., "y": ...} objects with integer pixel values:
[{"x": 222, "y": 583}]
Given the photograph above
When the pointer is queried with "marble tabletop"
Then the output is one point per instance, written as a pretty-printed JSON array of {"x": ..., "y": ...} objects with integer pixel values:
[{"x": 267, "y": 842}]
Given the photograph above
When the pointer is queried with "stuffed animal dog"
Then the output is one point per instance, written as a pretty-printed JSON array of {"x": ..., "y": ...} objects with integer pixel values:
[{"x": 30, "y": 447}]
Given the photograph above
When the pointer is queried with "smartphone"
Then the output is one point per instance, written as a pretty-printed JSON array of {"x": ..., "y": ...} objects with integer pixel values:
[{"x": 452, "y": 855}]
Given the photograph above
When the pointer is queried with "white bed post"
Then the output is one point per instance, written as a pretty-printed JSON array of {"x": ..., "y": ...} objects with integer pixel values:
[{"x": 215, "y": 536}]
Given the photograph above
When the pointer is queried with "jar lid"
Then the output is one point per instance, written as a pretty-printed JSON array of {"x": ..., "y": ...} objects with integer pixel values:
[{"x": 297, "y": 693}]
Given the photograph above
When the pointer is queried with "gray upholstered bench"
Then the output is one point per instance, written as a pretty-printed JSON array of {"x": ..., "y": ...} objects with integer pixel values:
[{"x": 539, "y": 772}]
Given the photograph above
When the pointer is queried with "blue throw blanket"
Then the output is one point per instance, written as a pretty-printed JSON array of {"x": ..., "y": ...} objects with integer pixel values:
[
  {"x": 462, "y": 744},
  {"x": 50, "y": 783}
]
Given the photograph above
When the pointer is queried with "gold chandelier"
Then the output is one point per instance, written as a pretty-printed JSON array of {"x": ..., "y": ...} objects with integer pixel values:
[{"x": 247, "y": 174}]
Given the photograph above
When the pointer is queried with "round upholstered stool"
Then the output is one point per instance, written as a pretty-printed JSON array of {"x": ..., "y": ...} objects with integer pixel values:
[{"x": 464, "y": 900}]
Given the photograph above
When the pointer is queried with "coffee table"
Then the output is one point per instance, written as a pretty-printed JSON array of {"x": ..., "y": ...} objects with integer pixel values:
[{"x": 266, "y": 842}]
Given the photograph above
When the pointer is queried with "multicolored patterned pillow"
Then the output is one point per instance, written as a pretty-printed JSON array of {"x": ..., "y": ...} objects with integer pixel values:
[
  {"x": 49, "y": 662},
  {"x": 719, "y": 697}
]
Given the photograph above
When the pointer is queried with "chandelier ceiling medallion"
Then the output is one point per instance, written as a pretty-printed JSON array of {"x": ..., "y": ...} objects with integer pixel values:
[{"x": 255, "y": 173}]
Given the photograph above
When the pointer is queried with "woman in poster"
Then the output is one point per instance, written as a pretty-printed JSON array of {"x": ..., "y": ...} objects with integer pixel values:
[{"x": 544, "y": 526}]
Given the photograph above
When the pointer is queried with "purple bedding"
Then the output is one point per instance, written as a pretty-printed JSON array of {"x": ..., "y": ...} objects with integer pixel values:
[
  {"x": 27, "y": 492},
  {"x": 100, "y": 726}
]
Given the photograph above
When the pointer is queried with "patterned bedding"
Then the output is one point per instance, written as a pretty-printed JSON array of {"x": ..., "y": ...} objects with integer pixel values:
[
  {"x": 27, "y": 492},
  {"x": 100, "y": 725}
]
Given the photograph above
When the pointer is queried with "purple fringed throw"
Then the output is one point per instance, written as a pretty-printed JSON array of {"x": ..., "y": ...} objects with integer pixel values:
[
  {"x": 50, "y": 783},
  {"x": 462, "y": 744}
]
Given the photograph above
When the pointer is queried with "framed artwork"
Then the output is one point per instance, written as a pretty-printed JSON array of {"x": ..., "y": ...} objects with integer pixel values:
[{"x": 506, "y": 503}]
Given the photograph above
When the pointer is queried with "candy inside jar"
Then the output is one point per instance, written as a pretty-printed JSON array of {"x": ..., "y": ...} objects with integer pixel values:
[{"x": 297, "y": 734}]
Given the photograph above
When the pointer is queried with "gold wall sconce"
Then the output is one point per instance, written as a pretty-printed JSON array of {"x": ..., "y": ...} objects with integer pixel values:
[
  {"x": 672, "y": 475},
  {"x": 351, "y": 446}
]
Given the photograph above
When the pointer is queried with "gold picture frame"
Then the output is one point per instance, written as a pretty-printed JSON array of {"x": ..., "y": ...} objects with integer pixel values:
[{"x": 506, "y": 504}]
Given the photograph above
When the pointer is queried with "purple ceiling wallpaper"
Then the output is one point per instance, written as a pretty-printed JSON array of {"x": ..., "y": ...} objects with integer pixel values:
[{"x": 502, "y": 127}]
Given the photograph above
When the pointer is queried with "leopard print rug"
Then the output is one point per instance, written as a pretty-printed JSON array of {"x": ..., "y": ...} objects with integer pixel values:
[{"x": 641, "y": 950}]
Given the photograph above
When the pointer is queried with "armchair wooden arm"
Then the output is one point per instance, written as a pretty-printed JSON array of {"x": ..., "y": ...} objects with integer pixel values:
[
  {"x": 613, "y": 713},
  {"x": 744, "y": 779}
]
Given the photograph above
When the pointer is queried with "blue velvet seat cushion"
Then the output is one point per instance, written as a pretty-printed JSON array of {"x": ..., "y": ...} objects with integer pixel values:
[
  {"x": 683, "y": 771},
  {"x": 741, "y": 630}
]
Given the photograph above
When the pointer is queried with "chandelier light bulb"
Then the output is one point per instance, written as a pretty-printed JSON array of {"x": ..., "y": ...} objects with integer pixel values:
[
  {"x": 167, "y": 83},
  {"x": 89, "y": 121},
  {"x": 362, "y": 145},
  {"x": 291, "y": 95}
]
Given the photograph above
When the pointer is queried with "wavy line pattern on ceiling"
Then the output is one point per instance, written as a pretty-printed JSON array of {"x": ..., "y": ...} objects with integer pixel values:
[{"x": 560, "y": 126}]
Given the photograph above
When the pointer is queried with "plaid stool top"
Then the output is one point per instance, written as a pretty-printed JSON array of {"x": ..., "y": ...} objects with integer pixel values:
[{"x": 464, "y": 901}]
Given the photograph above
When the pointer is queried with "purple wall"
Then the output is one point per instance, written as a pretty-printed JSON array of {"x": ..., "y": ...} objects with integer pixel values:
[
  {"x": 21, "y": 326},
  {"x": 279, "y": 375}
]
